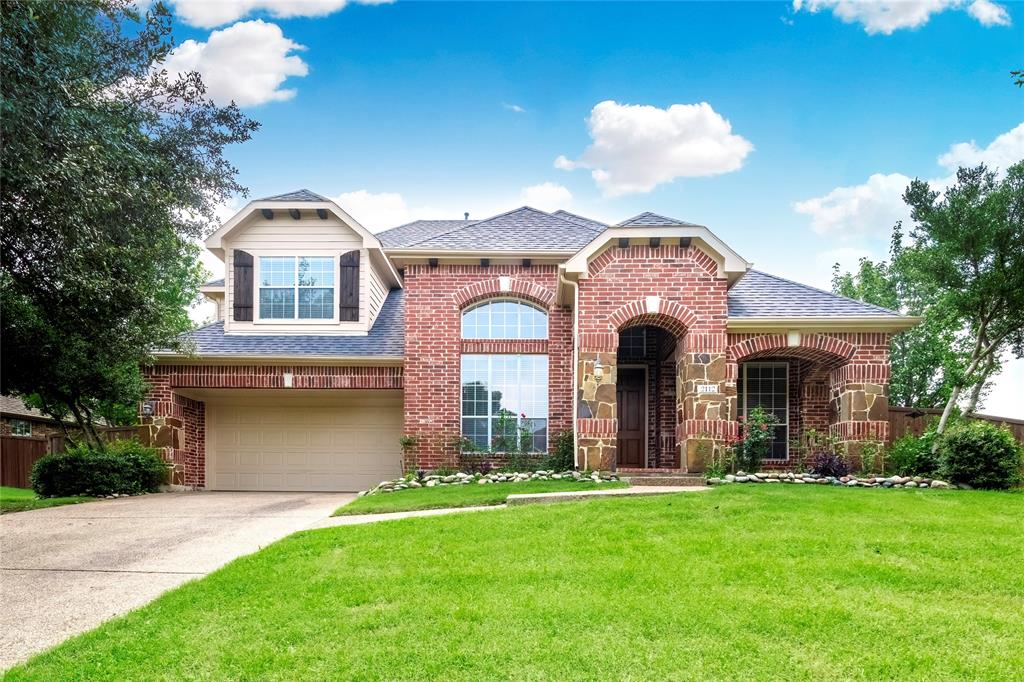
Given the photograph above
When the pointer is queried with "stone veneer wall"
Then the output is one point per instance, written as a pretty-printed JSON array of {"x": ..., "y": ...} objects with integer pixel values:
[
  {"x": 178, "y": 425},
  {"x": 434, "y": 300}
]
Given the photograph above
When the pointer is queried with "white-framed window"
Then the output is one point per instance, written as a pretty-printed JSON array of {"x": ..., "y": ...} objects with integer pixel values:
[
  {"x": 504, "y": 319},
  {"x": 505, "y": 397},
  {"x": 766, "y": 385},
  {"x": 20, "y": 427},
  {"x": 297, "y": 288}
]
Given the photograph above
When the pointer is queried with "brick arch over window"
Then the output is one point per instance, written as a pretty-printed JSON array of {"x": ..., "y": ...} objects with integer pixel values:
[
  {"x": 827, "y": 350},
  {"x": 672, "y": 316},
  {"x": 514, "y": 288}
]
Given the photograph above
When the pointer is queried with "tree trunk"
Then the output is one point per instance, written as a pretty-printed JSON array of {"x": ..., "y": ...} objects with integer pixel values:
[{"x": 972, "y": 403}]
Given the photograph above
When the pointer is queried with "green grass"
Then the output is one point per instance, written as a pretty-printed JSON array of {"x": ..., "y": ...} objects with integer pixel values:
[
  {"x": 469, "y": 495},
  {"x": 742, "y": 582},
  {"x": 24, "y": 499}
]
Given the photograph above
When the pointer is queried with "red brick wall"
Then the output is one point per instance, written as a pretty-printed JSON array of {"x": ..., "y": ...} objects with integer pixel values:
[{"x": 434, "y": 300}]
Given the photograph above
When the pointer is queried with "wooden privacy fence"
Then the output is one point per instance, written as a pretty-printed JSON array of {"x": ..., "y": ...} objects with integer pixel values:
[
  {"x": 18, "y": 454},
  {"x": 904, "y": 420}
]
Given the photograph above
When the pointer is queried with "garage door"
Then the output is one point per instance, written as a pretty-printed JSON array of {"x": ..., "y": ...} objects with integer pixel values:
[{"x": 341, "y": 446}]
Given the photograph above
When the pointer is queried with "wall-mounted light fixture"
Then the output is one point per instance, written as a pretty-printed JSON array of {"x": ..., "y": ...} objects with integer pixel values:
[
  {"x": 598, "y": 369},
  {"x": 148, "y": 408}
]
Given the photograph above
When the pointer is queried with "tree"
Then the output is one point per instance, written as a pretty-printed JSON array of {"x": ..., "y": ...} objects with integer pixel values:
[
  {"x": 923, "y": 358},
  {"x": 1018, "y": 77},
  {"x": 968, "y": 254},
  {"x": 111, "y": 170}
]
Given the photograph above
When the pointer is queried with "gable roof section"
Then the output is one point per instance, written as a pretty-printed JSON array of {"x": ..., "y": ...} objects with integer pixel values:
[
  {"x": 648, "y": 219},
  {"x": 760, "y": 295},
  {"x": 579, "y": 220},
  {"x": 385, "y": 340},
  {"x": 418, "y": 231},
  {"x": 523, "y": 229},
  {"x": 297, "y": 195}
]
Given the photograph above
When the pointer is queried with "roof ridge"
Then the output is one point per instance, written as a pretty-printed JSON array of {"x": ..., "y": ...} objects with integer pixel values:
[
  {"x": 440, "y": 234},
  {"x": 822, "y": 291}
]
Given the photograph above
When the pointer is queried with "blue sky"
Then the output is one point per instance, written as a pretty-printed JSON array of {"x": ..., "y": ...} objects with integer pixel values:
[{"x": 815, "y": 114}]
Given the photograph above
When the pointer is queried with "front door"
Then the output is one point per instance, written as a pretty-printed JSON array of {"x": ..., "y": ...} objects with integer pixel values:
[{"x": 632, "y": 412}]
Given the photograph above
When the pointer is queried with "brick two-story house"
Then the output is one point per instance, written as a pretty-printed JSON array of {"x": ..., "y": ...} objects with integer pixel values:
[{"x": 648, "y": 339}]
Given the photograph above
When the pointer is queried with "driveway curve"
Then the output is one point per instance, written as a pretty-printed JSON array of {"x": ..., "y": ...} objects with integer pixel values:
[{"x": 65, "y": 570}]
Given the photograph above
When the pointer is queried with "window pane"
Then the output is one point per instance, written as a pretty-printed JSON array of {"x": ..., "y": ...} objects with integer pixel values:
[
  {"x": 277, "y": 271},
  {"x": 316, "y": 304},
  {"x": 504, "y": 320},
  {"x": 765, "y": 387},
  {"x": 316, "y": 272},
  {"x": 277, "y": 304},
  {"x": 503, "y": 394}
]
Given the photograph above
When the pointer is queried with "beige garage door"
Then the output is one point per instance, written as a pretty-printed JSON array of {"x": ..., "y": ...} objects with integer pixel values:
[{"x": 346, "y": 444}]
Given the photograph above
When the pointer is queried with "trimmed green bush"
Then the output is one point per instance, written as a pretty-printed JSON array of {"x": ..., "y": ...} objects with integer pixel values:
[
  {"x": 980, "y": 454},
  {"x": 562, "y": 456},
  {"x": 125, "y": 468},
  {"x": 912, "y": 456}
]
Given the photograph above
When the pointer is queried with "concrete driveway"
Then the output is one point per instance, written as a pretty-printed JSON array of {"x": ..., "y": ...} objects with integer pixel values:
[{"x": 65, "y": 570}]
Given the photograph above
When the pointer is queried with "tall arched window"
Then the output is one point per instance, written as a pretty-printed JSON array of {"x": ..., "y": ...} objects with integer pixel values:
[
  {"x": 505, "y": 396},
  {"x": 504, "y": 319}
]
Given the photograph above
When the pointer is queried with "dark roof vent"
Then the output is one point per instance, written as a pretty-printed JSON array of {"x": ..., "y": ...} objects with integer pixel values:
[{"x": 465, "y": 216}]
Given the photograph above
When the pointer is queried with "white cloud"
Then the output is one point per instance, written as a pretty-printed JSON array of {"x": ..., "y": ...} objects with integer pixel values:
[
  {"x": 635, "y": 148},
  {"x": 547, "y": 196},
  {"x": 246, "y": 62},
  {"x": 887, "y": 16},
  {"x": 375, "y": 211},
  {"x": 1006, "y": 399},
  {"x": 210, "y": 13},
  {"x": 873, "y": 207},
  {"x": 515, "y": 108}
]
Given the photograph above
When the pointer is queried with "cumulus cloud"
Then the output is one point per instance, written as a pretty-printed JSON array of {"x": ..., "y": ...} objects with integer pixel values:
[
  {"x": 635, "y": 148},
  {"x": 547, "y": 196},
  {"x": 246, "y": 62},
  {"x": 375, "y": 211},
  {"x": 874, "y": 206},
  {"x": 888, "y": 16},
  {"x": 211, "y": 13}
]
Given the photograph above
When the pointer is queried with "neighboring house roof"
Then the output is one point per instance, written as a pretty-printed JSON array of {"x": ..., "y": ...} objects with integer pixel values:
[
  {"x": 215, "y": 283},
  {"x": 14, "y": 407},
  {"x": 521, "y": 229},
  {"x": 418, "y": 231},
  {"x": 385, "y": 339},
  {"x": 649, "y": 219},
  {"x": 297, "y": 195},
  {"x": 760, "y": 295}
]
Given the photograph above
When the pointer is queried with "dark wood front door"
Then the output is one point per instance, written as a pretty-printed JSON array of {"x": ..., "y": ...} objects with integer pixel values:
[{"x": 632, "y": 412}]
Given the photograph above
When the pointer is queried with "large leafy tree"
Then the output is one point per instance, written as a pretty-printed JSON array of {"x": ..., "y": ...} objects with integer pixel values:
[
  {"x": 111, "y": 169},
  {"x": 967, "y": 255},
  {"x": 924, "y": 359}
]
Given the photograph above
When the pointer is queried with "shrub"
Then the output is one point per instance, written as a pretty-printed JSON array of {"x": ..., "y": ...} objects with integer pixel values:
[
  {"x": 912, "y": 456},
  {"x": 980, "y": 454},
  {"x": 126, "y": 467},
  {"x": 562, "y": 457},
  {"x": 758, "y": 431},
  {"x": 829, "y": 463}
]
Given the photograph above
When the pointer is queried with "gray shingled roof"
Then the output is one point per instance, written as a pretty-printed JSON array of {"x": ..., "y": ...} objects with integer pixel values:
[
  {"x": 418, "y": 231},
  {"x": 297, "y": 195},
  {"x": 522, "y": 229},
  {"x": 580, "y": 220},
  {"x": 215, "y": 283},
  {"x": 649, "y": 219},
  {"x": 386, "y": 338},
  {"x": 758, "y": 294}
]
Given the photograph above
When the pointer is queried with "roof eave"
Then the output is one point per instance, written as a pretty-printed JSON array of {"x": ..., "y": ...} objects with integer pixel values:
[{"x": 858, "y": 323}]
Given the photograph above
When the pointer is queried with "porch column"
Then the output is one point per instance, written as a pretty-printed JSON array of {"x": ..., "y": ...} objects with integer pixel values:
[
  {"x": 176, "y": 428},
  {"x": 597, "y": 424},
  {"x": 706, "y": 394},
  {"x": 859, "y": 405}
]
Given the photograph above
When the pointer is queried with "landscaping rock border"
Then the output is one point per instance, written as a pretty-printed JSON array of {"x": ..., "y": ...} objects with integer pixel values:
[
  {"x": 848, "y": 481},
  {"x": 460, "y": 478}
]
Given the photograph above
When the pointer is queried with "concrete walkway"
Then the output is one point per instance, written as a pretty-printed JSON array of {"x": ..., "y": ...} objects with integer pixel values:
[{"x": 65, "y": 570}]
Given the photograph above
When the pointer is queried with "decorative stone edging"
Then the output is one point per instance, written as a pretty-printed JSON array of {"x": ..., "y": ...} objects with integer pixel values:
[
  {"x": 848, "y": 481},
  {"x": 460, "y": 478}
]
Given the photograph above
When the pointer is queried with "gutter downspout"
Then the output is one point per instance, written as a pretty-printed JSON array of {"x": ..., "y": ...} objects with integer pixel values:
[{"x": 575, "y": 360}]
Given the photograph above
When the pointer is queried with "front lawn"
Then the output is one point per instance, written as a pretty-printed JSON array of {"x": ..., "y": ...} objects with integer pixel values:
[
  {"x": 742, "y": 582},
  {"x": 468, "y": 495},
  {"x": 24, "y": 499}
]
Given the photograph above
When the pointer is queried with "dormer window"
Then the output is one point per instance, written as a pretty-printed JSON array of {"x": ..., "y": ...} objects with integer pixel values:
[{"x": 296, "y": 288}]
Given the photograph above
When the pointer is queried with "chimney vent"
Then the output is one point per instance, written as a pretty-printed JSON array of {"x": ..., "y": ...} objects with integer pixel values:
[{"x": 466, "y": 215}]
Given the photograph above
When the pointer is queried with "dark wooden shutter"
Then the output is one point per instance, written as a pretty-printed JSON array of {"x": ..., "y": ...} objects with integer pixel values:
[
  {"x": 243, "y": 286},
  {"x": 348, "y": 289}
]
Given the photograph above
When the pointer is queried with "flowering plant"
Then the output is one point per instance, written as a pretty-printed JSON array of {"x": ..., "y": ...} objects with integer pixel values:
[{"x": 757, "y": 431}]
